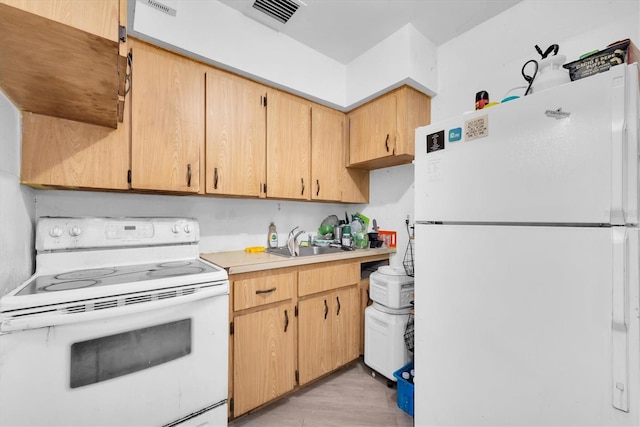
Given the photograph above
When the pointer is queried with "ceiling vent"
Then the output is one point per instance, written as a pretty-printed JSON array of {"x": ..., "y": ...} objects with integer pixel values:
[
  {"x": 166, "y": 6},
  {"x": 281, "y": 10}
]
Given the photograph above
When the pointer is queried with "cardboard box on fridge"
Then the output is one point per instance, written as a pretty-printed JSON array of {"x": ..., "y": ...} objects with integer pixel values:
[{"x": 620, "y": 52}]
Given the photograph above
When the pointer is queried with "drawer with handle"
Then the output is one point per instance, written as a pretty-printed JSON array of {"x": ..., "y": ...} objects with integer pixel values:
[{"x": 265, "y": 287}]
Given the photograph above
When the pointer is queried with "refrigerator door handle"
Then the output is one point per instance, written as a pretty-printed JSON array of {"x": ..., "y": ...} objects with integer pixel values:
[
  {"x": 620, "y": 320},
  {"x": 618, "y": 127}
]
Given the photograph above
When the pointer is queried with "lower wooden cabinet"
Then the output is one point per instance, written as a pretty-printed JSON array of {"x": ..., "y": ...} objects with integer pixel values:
[
  {"x": 290, "y": 326},
  {"x": 264, "y": 356},
  {"x": 328, "y": 335}
]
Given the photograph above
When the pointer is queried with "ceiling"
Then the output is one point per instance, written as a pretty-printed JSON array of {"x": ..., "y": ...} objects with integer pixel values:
[{"x": 344, "y": 29}]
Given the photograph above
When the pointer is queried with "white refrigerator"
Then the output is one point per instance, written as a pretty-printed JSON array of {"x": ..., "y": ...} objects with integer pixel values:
[{"x": 527, "y": 294}]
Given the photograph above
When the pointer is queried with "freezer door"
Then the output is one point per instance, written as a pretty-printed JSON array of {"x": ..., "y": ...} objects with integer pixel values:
[
  {"x": 565, "y": 155},
  {"x": 526, "y": 326}
]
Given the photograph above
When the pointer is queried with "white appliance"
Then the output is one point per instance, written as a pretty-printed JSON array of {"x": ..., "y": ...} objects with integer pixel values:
[
  {"x": 385, "y": 321},
  {"x": 527, "y": 253},
  {"x": 122, "y": 324}
]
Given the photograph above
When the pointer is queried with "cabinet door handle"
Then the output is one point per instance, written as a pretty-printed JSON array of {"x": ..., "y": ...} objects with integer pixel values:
[
  {"x": 215, "y": 178},
  {"x": 326, "y": 309},
  {"x": 189, "y": 175},
  {"x": 386, "y": 143},
  {"x": 286, "y": 320},
  {"x": 302, "y": 181},
  {"x": 318, "y": 187},
  {"x": 265, "y": 291},
  {"x": 338, "y": 312},
  {"x": 264, "y": 188}
]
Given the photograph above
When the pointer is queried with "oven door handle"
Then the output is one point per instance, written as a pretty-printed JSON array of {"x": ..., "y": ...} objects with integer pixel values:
[{"x": 61, "y": 318}]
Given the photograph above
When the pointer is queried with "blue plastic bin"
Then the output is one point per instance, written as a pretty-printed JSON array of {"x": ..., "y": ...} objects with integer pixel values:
[{"x": 405, "y": 389}]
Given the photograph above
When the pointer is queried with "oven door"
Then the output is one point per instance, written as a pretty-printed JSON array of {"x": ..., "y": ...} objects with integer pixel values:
[{"x": 148, "y": 364}]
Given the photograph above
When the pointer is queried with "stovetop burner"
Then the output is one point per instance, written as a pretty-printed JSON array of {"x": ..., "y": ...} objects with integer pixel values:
[
  {"x": 85, "y": 274},
  {"x": 73, "y": 284},
  {"x": 175, "y": 271},
  {"x": 78, "y": 279}
]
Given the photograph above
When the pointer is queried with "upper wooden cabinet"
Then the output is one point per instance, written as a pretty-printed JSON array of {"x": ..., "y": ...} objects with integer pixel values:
[
  {"x": 98, "y": 17},
  {"x": 381, "y": 132},
  {"x": 235, "y": 135},
  {"x": 60, "y": 58},
  {"x": 327, "y": 144},
  {"x": 64, "y": 153},
  {"x": 288, "y": 146},
  {"x": 331, "y": 180},
  {"x": 167, "y": 121}
]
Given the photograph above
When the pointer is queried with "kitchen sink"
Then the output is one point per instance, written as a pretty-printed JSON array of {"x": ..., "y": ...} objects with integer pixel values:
[{"x": 306, "y": 251}]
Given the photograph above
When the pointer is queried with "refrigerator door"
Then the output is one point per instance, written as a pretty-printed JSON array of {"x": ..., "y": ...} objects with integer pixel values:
[
  {"x": 526, "y": 325},
  {"x": 565, "y": 155}
]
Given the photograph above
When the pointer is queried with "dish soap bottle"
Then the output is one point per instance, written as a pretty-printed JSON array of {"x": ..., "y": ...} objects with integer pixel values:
[{"x": 272, "y": 238}]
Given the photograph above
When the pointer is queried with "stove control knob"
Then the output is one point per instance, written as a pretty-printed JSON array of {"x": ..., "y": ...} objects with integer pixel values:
[
  {"x": 188, "y": 228},
  {"x": 75, "y": 231},
  {"x": 55, "y": 232},
  {"x": 175, "y": 229}
]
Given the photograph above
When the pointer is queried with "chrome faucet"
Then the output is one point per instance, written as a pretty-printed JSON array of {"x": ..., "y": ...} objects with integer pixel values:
[{"x": 292, "y": 242}]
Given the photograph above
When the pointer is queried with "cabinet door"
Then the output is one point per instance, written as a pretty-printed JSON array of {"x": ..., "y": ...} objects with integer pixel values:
[
  {"x": 372, "y": 130},
  {"x": 264, "y": 356},
  {"x": 288, "y": 146},
  {"x": 314, "y": 329},
  {"x": 327, "y": 153},
  {"x": 345, "y": 323},
  {"x": 328, "y": 332},
  {"x": 167, "y": 96},
  {"x": 236, "y": 135},
  {"x": 96, "y": 17},
  {"x": 65, "y": 153}
]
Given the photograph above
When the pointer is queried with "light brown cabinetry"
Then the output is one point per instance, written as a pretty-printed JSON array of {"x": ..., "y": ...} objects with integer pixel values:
[
  {"x": 381, "y": 132},
  {"x": 65, "y": 153},
  {"x": 264, "y": 355},
  {"x": 328, "y": 320},
  {"x": 328, "y": 332},
  {"x": 264, "y": 349},
  {"x": 167, "y": 120},
  {"x": 288, "y": 146},
  {"x": 327, "y": 145},
  {"x": 288, "y": 327},
  {"x": 99, "y": 17},
  {"x": 235, "y": 135},
  {"x": 330, "y": 179},
  {"x": 60, "y": 58}
]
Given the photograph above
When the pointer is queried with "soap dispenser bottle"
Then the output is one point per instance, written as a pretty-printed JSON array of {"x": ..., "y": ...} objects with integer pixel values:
[{"x": 272, "y": 237}]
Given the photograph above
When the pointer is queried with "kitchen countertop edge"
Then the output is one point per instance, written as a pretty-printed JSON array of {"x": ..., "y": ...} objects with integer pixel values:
[{"x": 236, "y": 262}]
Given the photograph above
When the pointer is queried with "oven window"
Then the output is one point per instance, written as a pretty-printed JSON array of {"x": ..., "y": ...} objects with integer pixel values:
[{"x": 112, "y": 356}]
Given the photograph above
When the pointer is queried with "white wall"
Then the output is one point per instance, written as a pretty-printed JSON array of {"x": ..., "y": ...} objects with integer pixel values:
[
  {"x": 222, "y": 36},
  {"x": 16, "y": 204},
  {"x": 225, "y": 37},
  {"x": 225, "y": 223},
  {"x": 490, "y": 56}
]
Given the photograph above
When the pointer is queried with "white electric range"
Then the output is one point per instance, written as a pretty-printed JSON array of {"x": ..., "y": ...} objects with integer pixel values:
[{"x": 122, "y": 324}]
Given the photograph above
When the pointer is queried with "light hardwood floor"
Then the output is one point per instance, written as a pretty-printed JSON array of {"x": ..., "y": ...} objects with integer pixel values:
[{"x": 349, "y": 398}]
